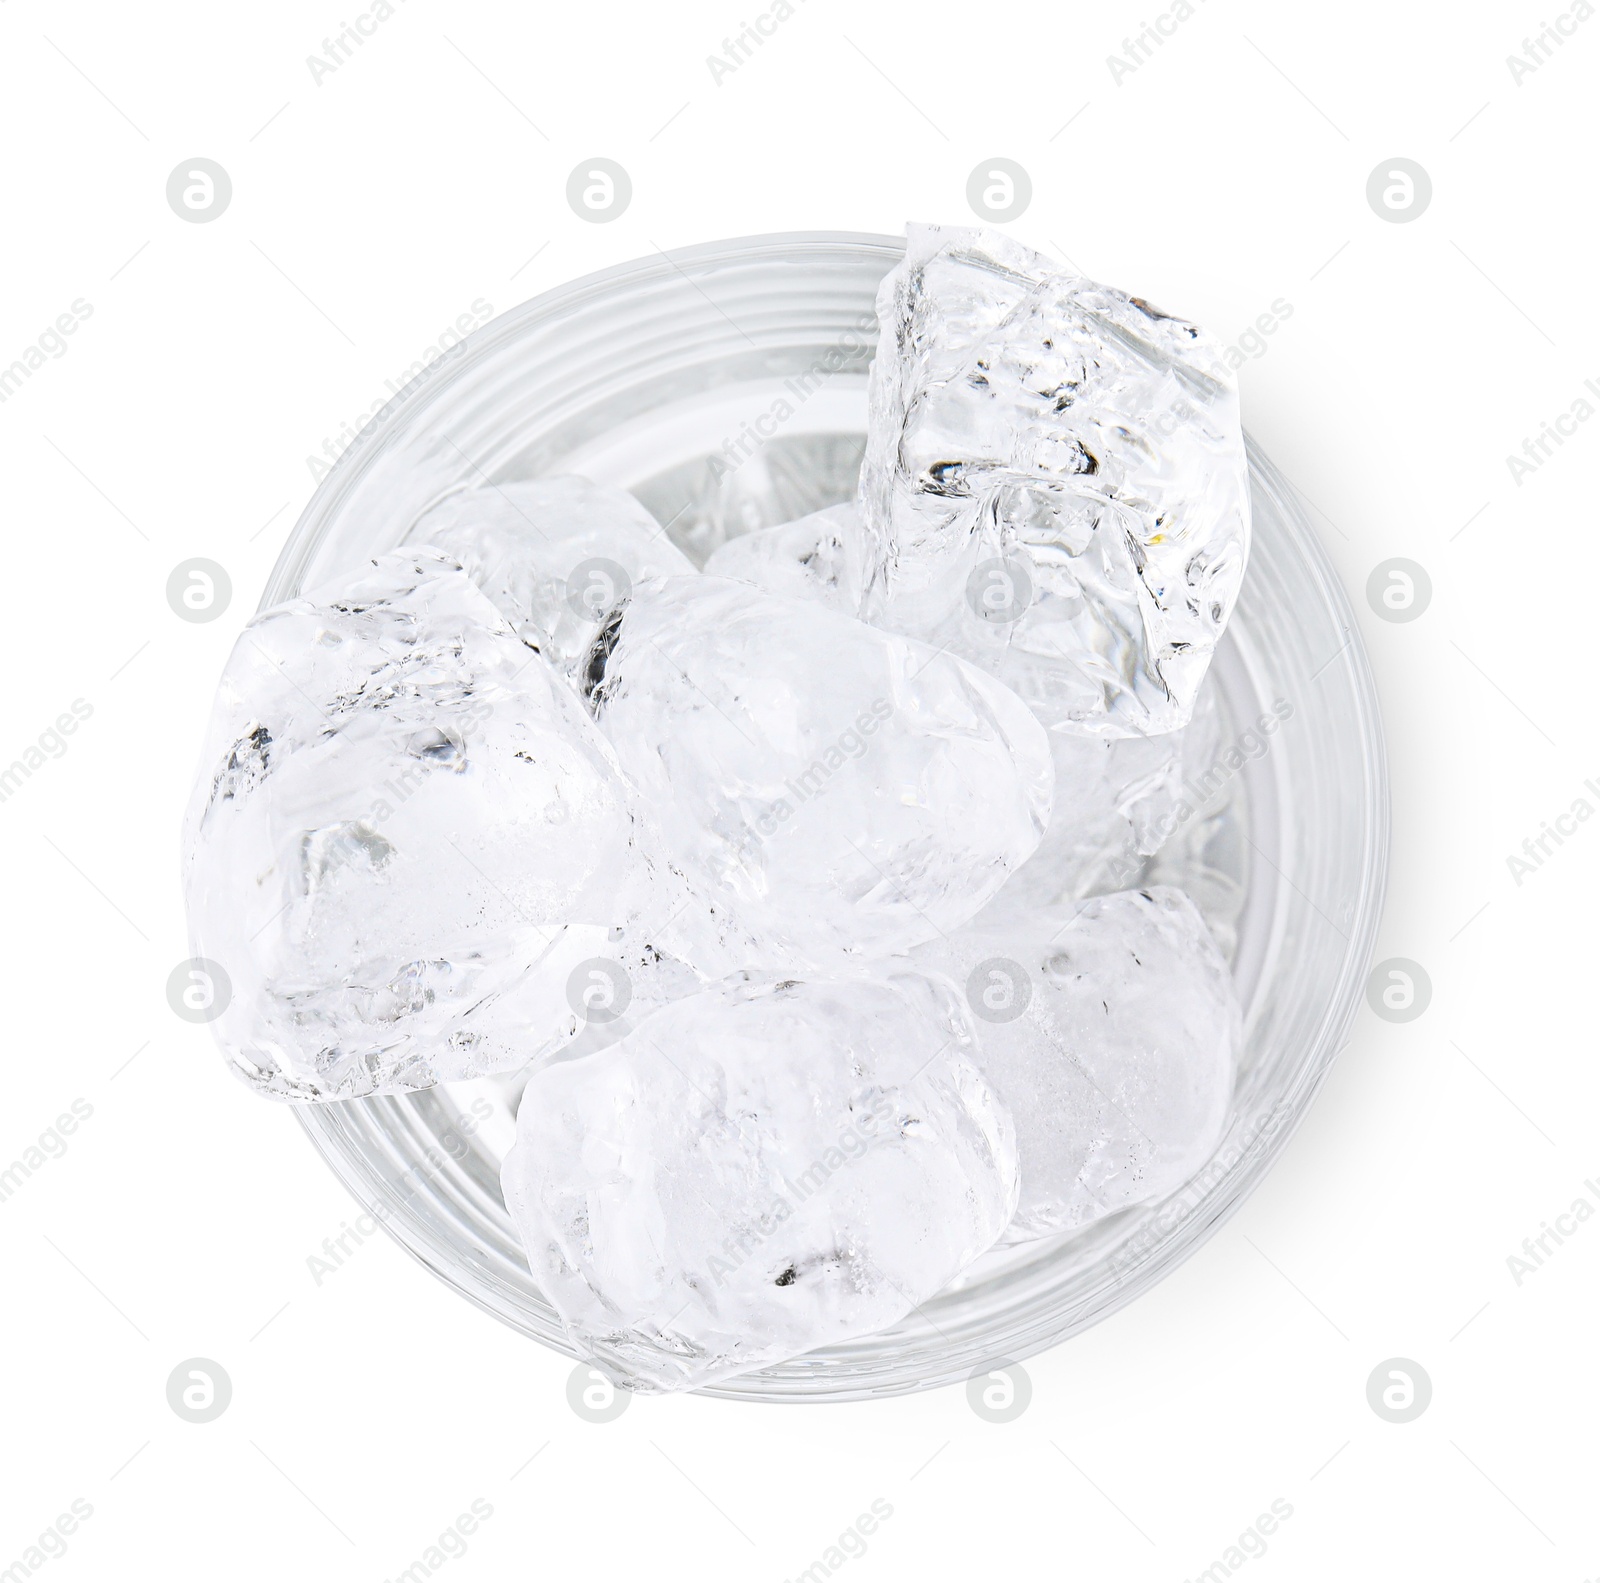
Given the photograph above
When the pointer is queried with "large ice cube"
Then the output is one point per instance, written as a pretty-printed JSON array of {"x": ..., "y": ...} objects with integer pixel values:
[
  {"x": 845, "y": 788},
  {"x": 765, "y": 1168},
  {"x": 1055, "y": 475},
  {"x": 824, "y": 557},
  {"x": 555, "y": 555},
  {"x": 1111, "y": 1032},
  {"x": 406, "y": 837}
]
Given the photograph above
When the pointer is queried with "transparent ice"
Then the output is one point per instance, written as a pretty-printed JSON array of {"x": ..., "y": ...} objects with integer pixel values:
[
  {"x": 1111, "y": 1032},
  {"x": 767, "y": 1167},
  {"x": 554, "y": 555},
  {"x": 822, "y": 557},
  {"x": 1118, "y": 801},
  {"x": 845, "y": 789},
  {"x": 536, "y": 808},
  {"x": 1055, "y": 477},
  {"x": 405, "y": 837}
]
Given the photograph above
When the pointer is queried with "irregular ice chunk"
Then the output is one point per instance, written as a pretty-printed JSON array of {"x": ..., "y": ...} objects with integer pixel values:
[
  {"x": 1111, "y": 1032},
  {"x": 1055, "y": 474},
  {"x": 406, "y": 836},
  {"x": 764, "y": 1168},
  {"x": 555, "y": 555},
  {"x": 846, "y": 789},
  {"x": 822, "y": 557},
  {"x": 1118, "y": 800}
]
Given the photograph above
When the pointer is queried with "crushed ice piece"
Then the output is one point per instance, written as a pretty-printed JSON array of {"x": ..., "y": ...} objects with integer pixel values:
[
  {"x": 822, "y": 557},
  {"x": 406, "y": 836},
  {"x": 1111, "y": 1031},
  {"x": 1055, "y": 475},
  {"x": 846, "y": 789},
  {"x": 764, "y": 1168},
  {"x": 554, "y": 555}
]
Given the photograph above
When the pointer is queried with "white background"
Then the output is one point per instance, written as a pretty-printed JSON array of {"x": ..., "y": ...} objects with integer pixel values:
[{"x": 368, "y": 212}]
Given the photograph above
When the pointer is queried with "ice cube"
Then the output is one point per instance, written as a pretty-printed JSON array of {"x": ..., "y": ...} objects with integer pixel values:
[
  {"x": 822, "y": 557},
  {"x": 1111, "y": 1032},
  {"x": 1117, "y": 802},
  {"x": 406, "y": 836},
  {"x": 1055, "y": 476},
  {"x": 767, "y": 1167},
  {"x": 843, "y": 788},
  {"x": 752, "y": 483},
  {"x": 555, "y": 555}
]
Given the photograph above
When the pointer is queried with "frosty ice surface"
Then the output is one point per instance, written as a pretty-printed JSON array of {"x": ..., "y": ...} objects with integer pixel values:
[
  {"x": 823, "y": 556},
  {"x": 846, "y": 789},
  {"x": 1118, "y": 800},
  {"x": 554, "y": 555},
  {"x": 536, "y": 806},
  {"x": 764, "y": 1168},
  {"x": 1110, "y": 1030},
  {"x": 405, "y": 836}
]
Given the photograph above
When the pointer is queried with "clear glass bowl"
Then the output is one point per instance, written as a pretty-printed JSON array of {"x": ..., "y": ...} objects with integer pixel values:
[{"x": 726, "y": 385}]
